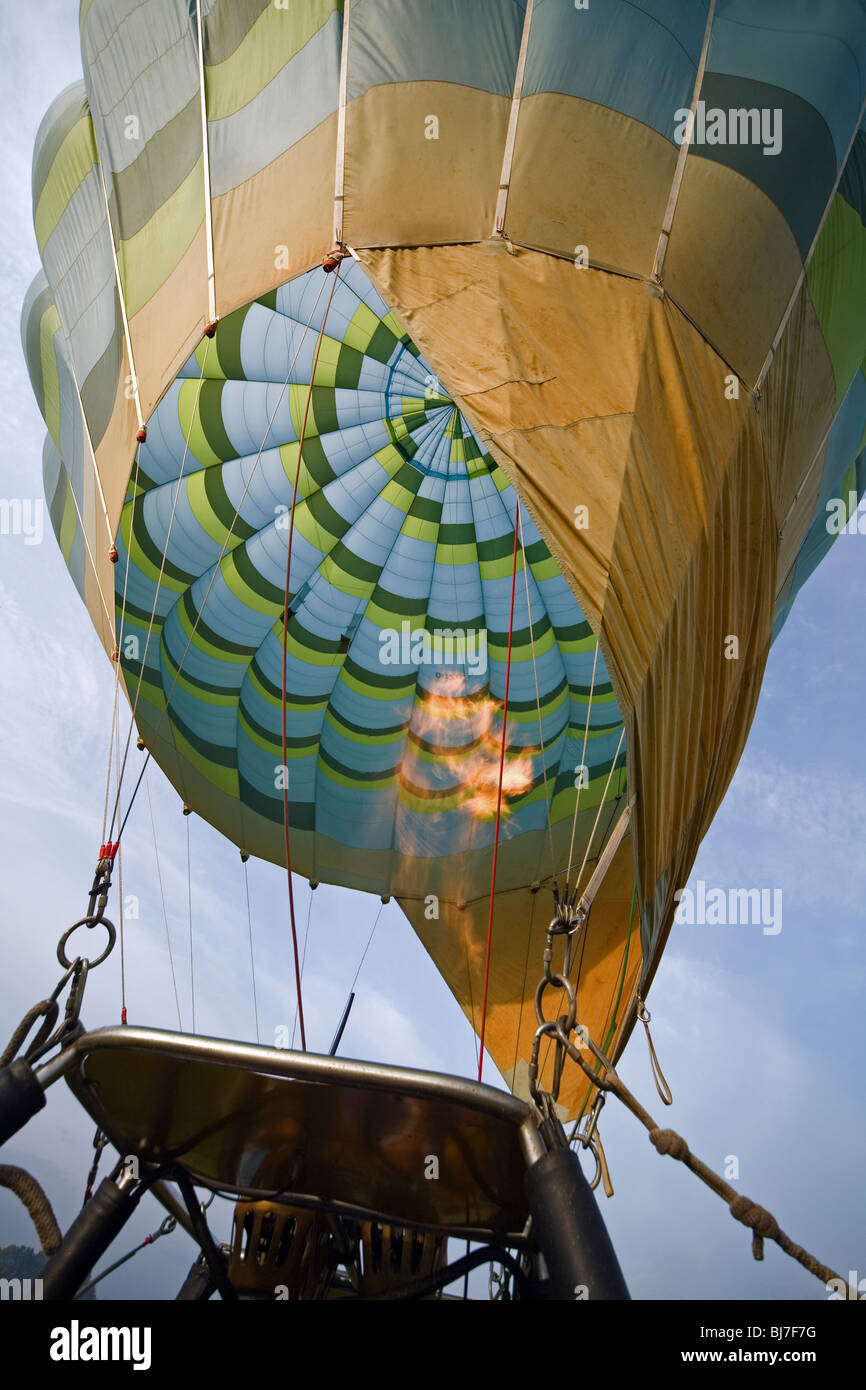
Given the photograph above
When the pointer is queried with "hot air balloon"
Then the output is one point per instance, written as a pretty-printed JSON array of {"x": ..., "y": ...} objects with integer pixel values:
[{"x": 444, "y": 404}]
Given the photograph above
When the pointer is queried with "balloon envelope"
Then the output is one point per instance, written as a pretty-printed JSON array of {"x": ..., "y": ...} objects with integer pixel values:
[{"x": 624, "y": 248}]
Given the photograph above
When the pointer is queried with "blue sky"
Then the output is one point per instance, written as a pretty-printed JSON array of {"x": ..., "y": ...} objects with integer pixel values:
[{"x": 760, "y": 1036}]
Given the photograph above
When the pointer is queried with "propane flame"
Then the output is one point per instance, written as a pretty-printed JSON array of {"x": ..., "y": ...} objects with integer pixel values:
[{"x": 474, "y": 761}]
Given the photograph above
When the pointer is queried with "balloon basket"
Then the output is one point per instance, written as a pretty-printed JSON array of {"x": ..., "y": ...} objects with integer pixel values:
[{"x": 349, "y": 1177}]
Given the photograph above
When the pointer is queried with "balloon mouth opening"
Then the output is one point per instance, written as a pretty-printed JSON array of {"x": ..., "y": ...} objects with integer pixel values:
[{"x": 387, "y": 453}]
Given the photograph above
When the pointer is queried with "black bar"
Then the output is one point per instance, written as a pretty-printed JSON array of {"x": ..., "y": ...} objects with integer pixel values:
[
  {"x": 198, "y": 1285},
  {"x": 189, "y": 1346},
  {"x": 342, "y": 1028},
  {"x": 570, "y": 1231},
  {"x": 214, "y": 1257},
  {"x": 88, "y": 1238},
  {"x": 21, "y": 1097}
]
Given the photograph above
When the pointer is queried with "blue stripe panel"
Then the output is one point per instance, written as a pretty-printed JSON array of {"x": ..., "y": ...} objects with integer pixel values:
[
  {"x": 475, "y": 44},
  {"x": 339, "y": 687},
  {"x": 301, "y": 95},
  {"x": 852, "y": 185},
  {"x": 814, "y": 48},
  {"x": 783, "y": 146},
  {"x": 638, "y": 58}
]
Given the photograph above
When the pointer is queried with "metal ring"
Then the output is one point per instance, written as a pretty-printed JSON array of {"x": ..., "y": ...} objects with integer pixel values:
[
  {"x": 559, "y": 926},
  {"x": 561, "y": 982},
  {"x": 589, "y": 1144},
  {"x": 87, "y": 922}
]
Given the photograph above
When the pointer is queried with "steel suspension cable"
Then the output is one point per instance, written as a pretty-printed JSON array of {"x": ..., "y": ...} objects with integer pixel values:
[
  {"x": 120, "y": 890},
  {"x": 303, "y": 959},
  {"x": 598, "y": 813},
  {"x": 119, "y": 644},
  {"x": 351, "y": 994},
  {"x": 216, "y": 567},
  {"x": 499, "y": 797},
  {"x": 252, "y": 958},
  {"x": 284, "y": 697},
  {"x": 549, "y": 816},
  {"x": 525, "y": 977},
  {"x": 162, "y": 899},
  {"x": 583, "y": 767},
  {"x": 224, "y": 547},
  {"x": 189, "y": 903},
  {"x": 152, "y": 619},
  {"x": 165, "y": 1229},
  {"x": 537, "y": 702},
  {"x": 368, "y": 945},
  {"x": 548, "y": 1043}
]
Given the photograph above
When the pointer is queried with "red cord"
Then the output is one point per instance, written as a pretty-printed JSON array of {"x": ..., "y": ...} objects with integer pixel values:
[
  {"x": 499, "y": 797},
  {"x": 285, "y": 662}
]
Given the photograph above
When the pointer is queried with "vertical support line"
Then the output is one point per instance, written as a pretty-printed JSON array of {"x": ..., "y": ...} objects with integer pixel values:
[
  {"x": 205, "y": 153},
  {"x": 118, "y": 631},
  {"x": 499, "y": 795},
  {"x": 768, "y": 361},
  {"x": 547, "y": 793},
  {"x": 189, "y": 907},
  {"x": 583, "y": 766},
  {"x": 284, "y": 739},
  {"x": 511, "y": 136},
  {"x": 109, "y": 616},
  {"x": 252, "y": 957},
  {"x": 177, "y": 487},
  {"x": 122, "y": 301},
  {"x": 340, "y": 172},
  {"x": 88, "y": 437},
  {"x": 120, "y": 891},
  {"x": 673, "y": 199},
  {"x": 162, "y": 900}
]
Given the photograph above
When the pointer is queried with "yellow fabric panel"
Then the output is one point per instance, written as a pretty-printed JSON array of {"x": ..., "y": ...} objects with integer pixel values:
[
  {"x": 684, "y": 553},
  {"x": 692, "y": 563},
  {"x": 167, "y": 328},
  {"x": 149, "y": 258},
  {"x": 694, "y": 709},
  {"x": 586, "y": 175},
  {"x": 72, "y": 163},
  {"x": 249, "y": 225},
  {"x": 277, "y": 224},
  {"x": 103, "y": 622},
  {"x": 732, "y": 263},
  {"x": 268, "y": 45},
  {"x": 49, "y": 326},
  {"x": 176, "y": 310},
  {"x": 90, "y": 511},
  {"x": 115, "y": 453},
  {"x": 405, "y": 188},
  {"x": 457, "y": 941}
]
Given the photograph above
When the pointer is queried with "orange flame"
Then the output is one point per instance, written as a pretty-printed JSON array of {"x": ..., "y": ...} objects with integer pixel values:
[{"x": 477, "y": 771}]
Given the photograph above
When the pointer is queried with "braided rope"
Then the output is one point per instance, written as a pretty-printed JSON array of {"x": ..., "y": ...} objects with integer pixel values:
[
  {"x": 27, "y": 1189},
  {"x": 758, "y": 1219}
]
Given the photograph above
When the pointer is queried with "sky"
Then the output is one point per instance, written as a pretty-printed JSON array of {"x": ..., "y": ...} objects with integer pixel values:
[{"x": 759, "y": 1035}]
